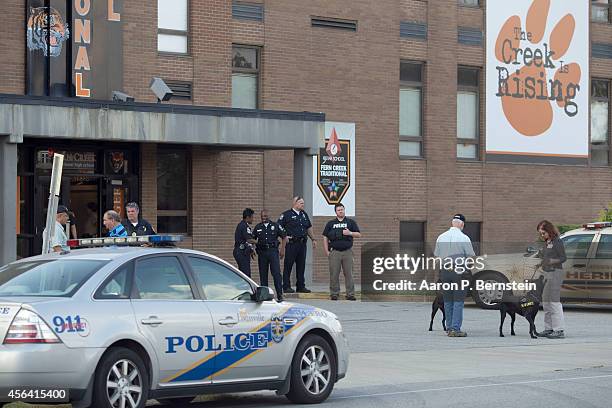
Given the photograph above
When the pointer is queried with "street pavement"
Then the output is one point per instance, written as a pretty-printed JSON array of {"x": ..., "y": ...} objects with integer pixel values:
[{"x": 396, "y": 362}]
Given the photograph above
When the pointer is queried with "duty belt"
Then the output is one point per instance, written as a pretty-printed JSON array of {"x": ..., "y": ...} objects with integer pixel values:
[
  {"x": 298, "y": 239},
  {"x": 267, "y": 246}
]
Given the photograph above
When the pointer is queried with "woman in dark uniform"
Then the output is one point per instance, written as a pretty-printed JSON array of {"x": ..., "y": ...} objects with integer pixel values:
[{"x": 553, "y": 256}]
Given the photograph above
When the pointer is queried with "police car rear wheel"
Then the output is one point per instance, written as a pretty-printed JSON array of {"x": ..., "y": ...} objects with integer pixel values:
[
  {"x": 313, "y": 371},
  {"x": 489, "y": 299},
  {"x": 121, "y": 380}
]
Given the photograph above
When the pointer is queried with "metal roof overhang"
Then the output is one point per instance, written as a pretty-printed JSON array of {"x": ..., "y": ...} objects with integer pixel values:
[{"x": 78, "y": 119}]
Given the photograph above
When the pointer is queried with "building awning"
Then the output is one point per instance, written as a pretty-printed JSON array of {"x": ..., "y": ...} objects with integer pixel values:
[{"x": 78, "y": 119}]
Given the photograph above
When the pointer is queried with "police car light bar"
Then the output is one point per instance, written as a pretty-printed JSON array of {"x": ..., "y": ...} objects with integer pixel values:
[
  {"x": 597, "y": 225},
  {"x": 124, "y": 241}
]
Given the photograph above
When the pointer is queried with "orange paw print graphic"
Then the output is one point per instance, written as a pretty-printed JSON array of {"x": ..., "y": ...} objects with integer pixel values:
[{"x": 532, "y": 75}]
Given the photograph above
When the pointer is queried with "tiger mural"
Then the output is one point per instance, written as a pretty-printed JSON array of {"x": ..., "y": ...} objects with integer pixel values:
[{"x": 38, "y": 31}]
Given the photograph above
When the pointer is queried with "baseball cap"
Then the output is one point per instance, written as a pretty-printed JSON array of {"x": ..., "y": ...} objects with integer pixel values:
[
  {"x": 459, "y": 217},
  {"x": 62, "y": 209}
]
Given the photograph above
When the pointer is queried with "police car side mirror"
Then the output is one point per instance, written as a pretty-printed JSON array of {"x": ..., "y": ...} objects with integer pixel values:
[{"x": 263, "y": 293}]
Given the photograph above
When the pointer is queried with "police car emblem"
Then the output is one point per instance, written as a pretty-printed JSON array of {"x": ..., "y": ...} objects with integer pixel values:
[{"x": 277, "y": 328}]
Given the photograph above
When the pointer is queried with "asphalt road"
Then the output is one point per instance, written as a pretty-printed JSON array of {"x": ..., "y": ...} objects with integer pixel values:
[{"x": 396, "y": 362}]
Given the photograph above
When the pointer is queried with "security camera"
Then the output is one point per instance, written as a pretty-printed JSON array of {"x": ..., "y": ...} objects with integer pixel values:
[
  {"x": 160, "y": 89},
  {"x": 122, "y": 97}
]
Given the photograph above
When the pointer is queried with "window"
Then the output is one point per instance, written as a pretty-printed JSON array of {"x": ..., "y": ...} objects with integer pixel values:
[
  {"x": 411, "y": 109},
  {"x": 600, "y": 11},
  {"x": 117, "y": 286},
  {"x": 172, "y": 26},
  {"x": 472, "y": 3},
  {"x": 600, "y": 126},
  {"x": 161, "y": 277},
  {"x": 468, "y": 106},
  {"x": 245, "y": 77},
  {"x": 219, "y": 282},
  {"x": 604, "y": 249},
  {"x": 472, "y": 230},
  {"x": 577, "y": 246},
  {"x": 412, "y": 237},
  {"x": 172, "y": 190},
  {"x": 59, "y": 278}
]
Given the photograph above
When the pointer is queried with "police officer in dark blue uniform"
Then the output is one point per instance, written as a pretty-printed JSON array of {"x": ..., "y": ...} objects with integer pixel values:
[
  {"x": 267, "y": 234},
  {"x": 297, "y": 225},
  {"x": 243, "y": 242}
]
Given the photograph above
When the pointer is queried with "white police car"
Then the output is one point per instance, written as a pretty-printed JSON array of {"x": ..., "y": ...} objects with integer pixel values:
[{"x": 115, "y": 326}]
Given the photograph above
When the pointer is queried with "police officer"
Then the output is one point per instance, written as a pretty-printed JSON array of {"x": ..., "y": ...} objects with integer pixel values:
[
  {"x": 297, "y": 225},
  {"x": 337, "y": 245},
  {"x": 243, "y": 242},
  {"x": 134, "y": 225},
  {"x": 267, "y": 234}
]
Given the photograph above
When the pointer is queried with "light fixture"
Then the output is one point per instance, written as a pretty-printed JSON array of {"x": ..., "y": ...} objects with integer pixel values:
[{"x": 160, "y": 89}]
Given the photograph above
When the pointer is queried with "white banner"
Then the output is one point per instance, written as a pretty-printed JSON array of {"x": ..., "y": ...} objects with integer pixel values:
[
  {"x": 333, "y": 176},
  {"x": 537, "y": 79}
]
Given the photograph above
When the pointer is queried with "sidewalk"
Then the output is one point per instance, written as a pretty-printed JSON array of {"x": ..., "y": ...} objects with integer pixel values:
[{"x": 321, "y": 291}]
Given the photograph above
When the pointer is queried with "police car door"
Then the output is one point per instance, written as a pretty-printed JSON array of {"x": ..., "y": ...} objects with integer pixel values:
[
  {"x": 249, "y": 335},
  {"x": 599, "y": 270},
  {"x": 578, "y": 250},
  {"x": 173, "y": 319}
]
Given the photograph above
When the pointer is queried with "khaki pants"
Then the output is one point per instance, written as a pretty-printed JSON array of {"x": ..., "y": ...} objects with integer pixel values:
[
  {"x": 551, "y": 300},
  {"x": 342, "y": 259}
]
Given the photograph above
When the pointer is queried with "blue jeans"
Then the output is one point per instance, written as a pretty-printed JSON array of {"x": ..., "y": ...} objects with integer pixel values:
[{"x": 453, "y": 300}]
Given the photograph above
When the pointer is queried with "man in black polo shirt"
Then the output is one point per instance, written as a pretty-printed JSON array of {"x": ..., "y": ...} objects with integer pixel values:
[
  {"x": 134, "y": 225},
  {"x": 337, "y": 244}
]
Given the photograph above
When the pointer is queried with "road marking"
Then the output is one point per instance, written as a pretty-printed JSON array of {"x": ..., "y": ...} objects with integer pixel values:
[{"x": 463, "y": 387}]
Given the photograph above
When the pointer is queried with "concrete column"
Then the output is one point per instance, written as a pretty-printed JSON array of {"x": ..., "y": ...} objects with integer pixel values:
[
  {"x": 8, "y": 200},
  {"x": 303, "y": 162}
]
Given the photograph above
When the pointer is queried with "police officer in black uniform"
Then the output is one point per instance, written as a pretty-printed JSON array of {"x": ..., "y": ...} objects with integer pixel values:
[
  {"x": 134, "y": 224},
  {"x": 267, "y": 234},
  {"x": 243, "y": 242},
  {"x": 297, "y": 225}
]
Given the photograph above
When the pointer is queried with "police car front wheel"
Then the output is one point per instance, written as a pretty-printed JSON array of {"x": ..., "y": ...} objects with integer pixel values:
[
  {"x": 121, "y": 380},
  {"x": 313, "y": 371}
]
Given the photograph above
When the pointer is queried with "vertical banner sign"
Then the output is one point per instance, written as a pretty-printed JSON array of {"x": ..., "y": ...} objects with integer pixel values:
[
  {"x": 537, "y": 76},
  {"x": 334, "y": 171},
  {"x": 97, "y": 48},
  {"x": 48, "y": 51}
]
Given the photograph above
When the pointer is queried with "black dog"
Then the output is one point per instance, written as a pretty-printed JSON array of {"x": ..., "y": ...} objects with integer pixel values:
[
  {"x": 526, "y": 306},
  {"x": 438, "y": 303}
]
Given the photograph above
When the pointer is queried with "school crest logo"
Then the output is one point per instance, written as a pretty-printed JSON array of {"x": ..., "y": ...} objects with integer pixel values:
[
  {"x": 117, "y": 161},
  {"x": 43, "y": 27},
  {"x": 277, "y": 328}
]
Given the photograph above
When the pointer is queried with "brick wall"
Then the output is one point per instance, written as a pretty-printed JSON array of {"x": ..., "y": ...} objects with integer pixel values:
[{"x": 13, "y": 47}]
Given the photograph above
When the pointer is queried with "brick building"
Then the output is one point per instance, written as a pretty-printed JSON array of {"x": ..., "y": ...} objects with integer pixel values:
[{"x": 395, "y": 68}]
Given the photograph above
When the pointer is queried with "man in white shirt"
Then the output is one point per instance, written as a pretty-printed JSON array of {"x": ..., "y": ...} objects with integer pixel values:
[
  {"x": 59, "y": 241},
  {"x": 454, "y": 244}
]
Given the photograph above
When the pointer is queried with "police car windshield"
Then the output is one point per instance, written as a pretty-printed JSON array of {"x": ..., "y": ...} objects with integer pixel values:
[{"x": 55, "y": 278}]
